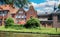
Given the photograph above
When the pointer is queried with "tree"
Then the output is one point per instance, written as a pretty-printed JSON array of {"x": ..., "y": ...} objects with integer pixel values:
[
  {"x": 9, "y": 22},
  {"x": 18, "y": 3},
  {"x": 1, "y": 2},
  {"x": 32, "y": 23},
  {"x": 59, "y": 6}
]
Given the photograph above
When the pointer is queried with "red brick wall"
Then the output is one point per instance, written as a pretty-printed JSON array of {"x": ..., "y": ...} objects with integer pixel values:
[
  {"x": 19, "y": 19},
  {"x": 31, "y": 12}
]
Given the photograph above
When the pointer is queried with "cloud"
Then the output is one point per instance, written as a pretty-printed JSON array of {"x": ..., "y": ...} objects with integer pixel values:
[
  {"x": 46, "y": 6},
  {"x": 42, "y": 4},
  {"x": 48, "y": 9},
  {"x": 40, "y": 12},
  {"x": 34, "y": 4}
]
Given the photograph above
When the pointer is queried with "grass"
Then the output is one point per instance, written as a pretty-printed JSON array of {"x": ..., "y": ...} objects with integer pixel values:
[{"x": 41, "y": 30}]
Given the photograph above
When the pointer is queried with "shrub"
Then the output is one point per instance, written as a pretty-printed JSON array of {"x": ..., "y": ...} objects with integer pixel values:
[
  {"x": 32, "y": 23},
  {"x": 17, "y": 27},
  {"x": 9, "y": 22}
]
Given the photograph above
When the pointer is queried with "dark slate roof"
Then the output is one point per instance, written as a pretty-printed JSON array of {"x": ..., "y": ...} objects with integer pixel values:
[
  {"x": 54, "y": 12},
  {"x": 43, "y": 14}
]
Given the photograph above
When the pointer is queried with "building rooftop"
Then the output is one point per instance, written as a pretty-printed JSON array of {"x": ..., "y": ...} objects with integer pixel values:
[
  {"x": 56, "y": 12},
  {"x": 14, "y": 10},
  {"x": 7, "y": 7}
]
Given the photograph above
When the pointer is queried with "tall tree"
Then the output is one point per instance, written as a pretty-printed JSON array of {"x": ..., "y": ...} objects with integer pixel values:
[
  {"x": 18, "y": 3},
  {"x": 1, "y": 2},
  {"x": 59, "y": 6}
]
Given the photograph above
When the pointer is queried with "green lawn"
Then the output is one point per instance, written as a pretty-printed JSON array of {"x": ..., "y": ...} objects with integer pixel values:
[{"x": 33, "y": 30}]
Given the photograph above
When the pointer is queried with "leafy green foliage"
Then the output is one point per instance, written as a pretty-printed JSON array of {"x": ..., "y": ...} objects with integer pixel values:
[
  {"x": 9, "y": 22},
  {"x": 1, "y": 2},
  {"x": 17, "y": 27},
  {"x": 32, "y": 23},
  {"x": 18, "y": 3},
  {"x": 59, "y": 6}
]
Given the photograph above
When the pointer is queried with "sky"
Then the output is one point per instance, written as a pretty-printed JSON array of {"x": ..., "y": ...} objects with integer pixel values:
[
  {"x": 37, "y": 1},
  {"x": 43, "y": 6}
]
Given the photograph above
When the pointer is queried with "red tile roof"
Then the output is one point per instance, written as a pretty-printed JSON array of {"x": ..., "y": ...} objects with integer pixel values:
[{"x": 7, "y": 7}]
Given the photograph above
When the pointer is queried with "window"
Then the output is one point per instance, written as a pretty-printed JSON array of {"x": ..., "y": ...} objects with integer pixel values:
[
  {"x": 12, "y": 15},
  {"x": 50, "y": 17},
  {"x": 23, "y": 16},
  {"x": 18, "y": 16},
  {"x": 20, "y": 11},
  {"x": 3, "y": 13},
  {"x": 0, "y": 12}
]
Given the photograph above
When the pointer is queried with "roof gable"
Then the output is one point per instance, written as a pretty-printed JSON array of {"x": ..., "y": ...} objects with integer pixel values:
[
  {"x": 21, "y": 9},
  {"x": 7, "y": 7}
]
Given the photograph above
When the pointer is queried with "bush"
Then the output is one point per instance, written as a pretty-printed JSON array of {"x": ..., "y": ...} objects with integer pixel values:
[
  {"x": 17, "y": 27},
  {"x": 32, "y": 23},
  {"x": 9, "y": 22}
]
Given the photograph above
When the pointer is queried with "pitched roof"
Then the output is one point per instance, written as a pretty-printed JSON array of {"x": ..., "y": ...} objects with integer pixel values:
[
  {"x": 56, "y": 12},
  {"x": 21, "y": 9},
  {"x": 7, "y": 7}
]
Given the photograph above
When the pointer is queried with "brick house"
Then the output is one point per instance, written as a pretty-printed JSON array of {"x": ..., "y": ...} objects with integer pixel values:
[
  {"x": 31, "y": 13},
  {"x": 20, "y": 16}
]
